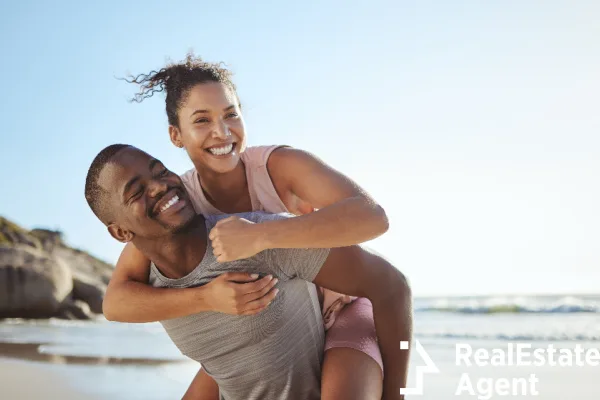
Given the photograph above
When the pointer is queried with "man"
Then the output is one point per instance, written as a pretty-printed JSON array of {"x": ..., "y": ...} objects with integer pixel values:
[{"x": 277, "y": 353}]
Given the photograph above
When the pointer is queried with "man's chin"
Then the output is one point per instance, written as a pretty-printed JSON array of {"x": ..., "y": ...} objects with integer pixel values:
[{"x": 184, "y": 226}]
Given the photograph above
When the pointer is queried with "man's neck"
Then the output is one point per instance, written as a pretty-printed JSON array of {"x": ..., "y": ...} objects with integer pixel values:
[{"x": 178, "y": 254}]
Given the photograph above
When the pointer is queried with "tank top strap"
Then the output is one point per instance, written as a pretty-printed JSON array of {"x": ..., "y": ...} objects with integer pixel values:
[
  {"x": 262, "y": 191},
  {"x": 201, "y": 204}
]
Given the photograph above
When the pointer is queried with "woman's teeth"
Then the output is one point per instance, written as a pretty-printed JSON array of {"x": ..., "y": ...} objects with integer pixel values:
[
  {"x": 174, "y": 200},
  {"x": 221, "y": 151}
]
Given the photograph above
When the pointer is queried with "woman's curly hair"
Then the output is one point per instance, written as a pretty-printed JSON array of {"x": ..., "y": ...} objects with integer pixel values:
[{"x": 177, "y": 79}]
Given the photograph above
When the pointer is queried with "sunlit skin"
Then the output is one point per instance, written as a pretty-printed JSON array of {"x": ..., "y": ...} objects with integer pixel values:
[
  {"x": 150, "y": 207},
  {"x": 143, "y": 195},
  {"x": 210, "y": 117}
]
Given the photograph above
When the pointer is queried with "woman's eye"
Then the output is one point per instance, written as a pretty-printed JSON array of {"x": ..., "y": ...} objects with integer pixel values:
[
  {"x": 231, "y": 115},
  {"x": 201, "y": 120}
]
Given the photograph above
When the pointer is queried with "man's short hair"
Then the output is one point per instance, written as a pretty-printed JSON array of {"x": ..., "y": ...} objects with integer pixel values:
[{"x": 94, "y": 194}]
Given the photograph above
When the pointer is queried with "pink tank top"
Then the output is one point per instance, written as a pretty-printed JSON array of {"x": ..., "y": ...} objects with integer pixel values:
[{"x": 264, "y": 197}]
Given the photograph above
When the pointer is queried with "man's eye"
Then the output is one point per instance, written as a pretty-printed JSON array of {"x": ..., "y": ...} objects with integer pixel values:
[
  {"x": 136, "y": 195},
  {"x": 201, "y": 120},
  {"x": 231, "y": 115},
  {"x": 164, "y": 172}
]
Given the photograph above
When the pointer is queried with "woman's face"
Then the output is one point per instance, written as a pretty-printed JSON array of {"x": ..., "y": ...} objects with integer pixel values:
[{"x": 211, "y": 127}]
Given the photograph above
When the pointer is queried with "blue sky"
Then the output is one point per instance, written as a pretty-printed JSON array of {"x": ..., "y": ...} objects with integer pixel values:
[{"x": 475, "y": 124}]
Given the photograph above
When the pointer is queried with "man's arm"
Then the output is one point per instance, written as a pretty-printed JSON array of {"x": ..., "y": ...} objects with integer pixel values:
[
  {"x": 359, "y": 272},
  {"x": 129, "y": 297}
]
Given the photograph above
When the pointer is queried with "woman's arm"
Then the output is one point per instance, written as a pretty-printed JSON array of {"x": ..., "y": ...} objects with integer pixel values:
[
  {"x": 346, "y": 214},
  {"x": 129, "y": 297}
]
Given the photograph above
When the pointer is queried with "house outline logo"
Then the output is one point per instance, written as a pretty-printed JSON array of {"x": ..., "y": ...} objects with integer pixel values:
[{"x": 428, "y": 368}]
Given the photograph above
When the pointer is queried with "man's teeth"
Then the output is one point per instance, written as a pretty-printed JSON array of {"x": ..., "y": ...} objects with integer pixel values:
[
  {"x": 221, "y": 151},
  {"x": 174, "y": 200}
]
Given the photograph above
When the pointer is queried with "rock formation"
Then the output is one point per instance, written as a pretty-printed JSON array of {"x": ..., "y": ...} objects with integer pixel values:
[{"x": 42, "y": 277}]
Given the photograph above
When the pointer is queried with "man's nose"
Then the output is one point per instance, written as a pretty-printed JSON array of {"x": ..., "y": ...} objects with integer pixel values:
[{"x": 157, "y": 188}]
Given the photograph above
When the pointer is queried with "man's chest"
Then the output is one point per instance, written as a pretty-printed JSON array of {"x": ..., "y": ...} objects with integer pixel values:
[{"x": 212, "y": 336}]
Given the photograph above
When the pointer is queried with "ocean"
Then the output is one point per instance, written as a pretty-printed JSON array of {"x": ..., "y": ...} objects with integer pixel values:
[{"x": 107, "y": 360}]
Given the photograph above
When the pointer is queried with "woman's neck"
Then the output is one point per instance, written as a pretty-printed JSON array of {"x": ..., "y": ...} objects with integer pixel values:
[{"x": 228, "y": 191}]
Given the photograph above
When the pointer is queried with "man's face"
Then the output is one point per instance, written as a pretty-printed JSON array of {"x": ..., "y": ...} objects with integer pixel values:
[{"x": 145, "y": 198}]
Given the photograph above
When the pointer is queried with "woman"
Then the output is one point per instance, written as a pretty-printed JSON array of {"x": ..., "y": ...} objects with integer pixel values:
[{"x": 205, "y": 119}]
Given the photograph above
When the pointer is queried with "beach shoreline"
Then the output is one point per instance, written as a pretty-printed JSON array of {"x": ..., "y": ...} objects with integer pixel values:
[{"x": 25, "y": 380}]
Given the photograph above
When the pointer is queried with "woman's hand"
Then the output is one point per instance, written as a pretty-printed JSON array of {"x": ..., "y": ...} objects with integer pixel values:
[
  {"x": 239, "y": 293},
  {"x": 235, "y": 238}
]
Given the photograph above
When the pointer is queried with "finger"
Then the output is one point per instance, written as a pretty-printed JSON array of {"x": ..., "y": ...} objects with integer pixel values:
[
  {"x": 265, "y": 291},
  {"x": 257, "y": 286},
  {"x": 223, "y": 257},
  {"x": 212, "y": 234},
  {"x": 240, "y": 277},
  {"x": 222, "y": 221},
  {"x": 262, "y": 302}
]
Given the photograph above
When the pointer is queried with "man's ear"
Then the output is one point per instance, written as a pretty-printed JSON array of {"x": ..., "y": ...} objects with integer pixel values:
[
  {"x": 175, "y": 136},
  {"x": 122, "y": 235}
]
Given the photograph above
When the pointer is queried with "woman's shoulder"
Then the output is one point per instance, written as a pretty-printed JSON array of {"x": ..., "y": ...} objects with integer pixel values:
[
  {"x": 257, "y": 156},
  {"x": 189, "y": 176}
]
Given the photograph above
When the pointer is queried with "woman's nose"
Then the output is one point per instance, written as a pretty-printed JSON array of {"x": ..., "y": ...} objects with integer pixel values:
[{"x": 221, "y": 130}]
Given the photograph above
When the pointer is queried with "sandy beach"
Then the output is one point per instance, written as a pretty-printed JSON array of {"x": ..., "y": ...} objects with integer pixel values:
[
  {"x": 57, "y": 377},
  {"x": 21, "y": 380}
]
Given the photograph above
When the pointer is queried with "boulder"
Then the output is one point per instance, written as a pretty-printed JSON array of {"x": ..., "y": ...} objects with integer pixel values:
[
  {"x": 42, "y": 277},
  {"x": 32, "y": 283}
]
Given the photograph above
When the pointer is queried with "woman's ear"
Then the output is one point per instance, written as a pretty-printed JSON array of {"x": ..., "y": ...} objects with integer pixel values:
[
  {"x": 175, "y": 136},
  {"x": 122, "y": 235}
]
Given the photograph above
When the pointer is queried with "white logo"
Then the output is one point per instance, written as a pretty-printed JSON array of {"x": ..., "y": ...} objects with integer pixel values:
[{"x": 429, "y": 368}]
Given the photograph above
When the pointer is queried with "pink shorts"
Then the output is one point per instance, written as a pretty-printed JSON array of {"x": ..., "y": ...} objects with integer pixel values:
[{"x": 354, "y": 328}]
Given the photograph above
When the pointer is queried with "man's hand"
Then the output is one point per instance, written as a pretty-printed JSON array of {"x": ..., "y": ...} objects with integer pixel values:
[
  {"x": 235, "y": 238},
  {"x": 229, "y": 294}
]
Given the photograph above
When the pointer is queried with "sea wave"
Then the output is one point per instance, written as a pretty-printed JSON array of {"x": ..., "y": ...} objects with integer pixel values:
[
  {"x": 516, "y": 304},
  {"x": 524, "y": 337}
]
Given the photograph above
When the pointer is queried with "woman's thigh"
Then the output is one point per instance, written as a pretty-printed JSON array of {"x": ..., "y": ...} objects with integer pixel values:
[{"x": 352, "y": 367}]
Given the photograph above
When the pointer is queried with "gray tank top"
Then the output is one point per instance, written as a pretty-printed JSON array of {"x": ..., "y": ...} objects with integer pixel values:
[{"x": 275, "y": 355}]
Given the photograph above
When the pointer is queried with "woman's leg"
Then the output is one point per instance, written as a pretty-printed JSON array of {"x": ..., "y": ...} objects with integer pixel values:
[
  {"x": 350, "y": 374},
  {"x": 203, "y": 387},
  {"x": 352, "y": 367}
]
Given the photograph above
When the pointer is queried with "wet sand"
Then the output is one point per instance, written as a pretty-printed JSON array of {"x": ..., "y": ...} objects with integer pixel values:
[
  {"x": 21, "y": 380},
  {"x": 28, "y": 374},
  {"x": 31, "y": 352}
]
